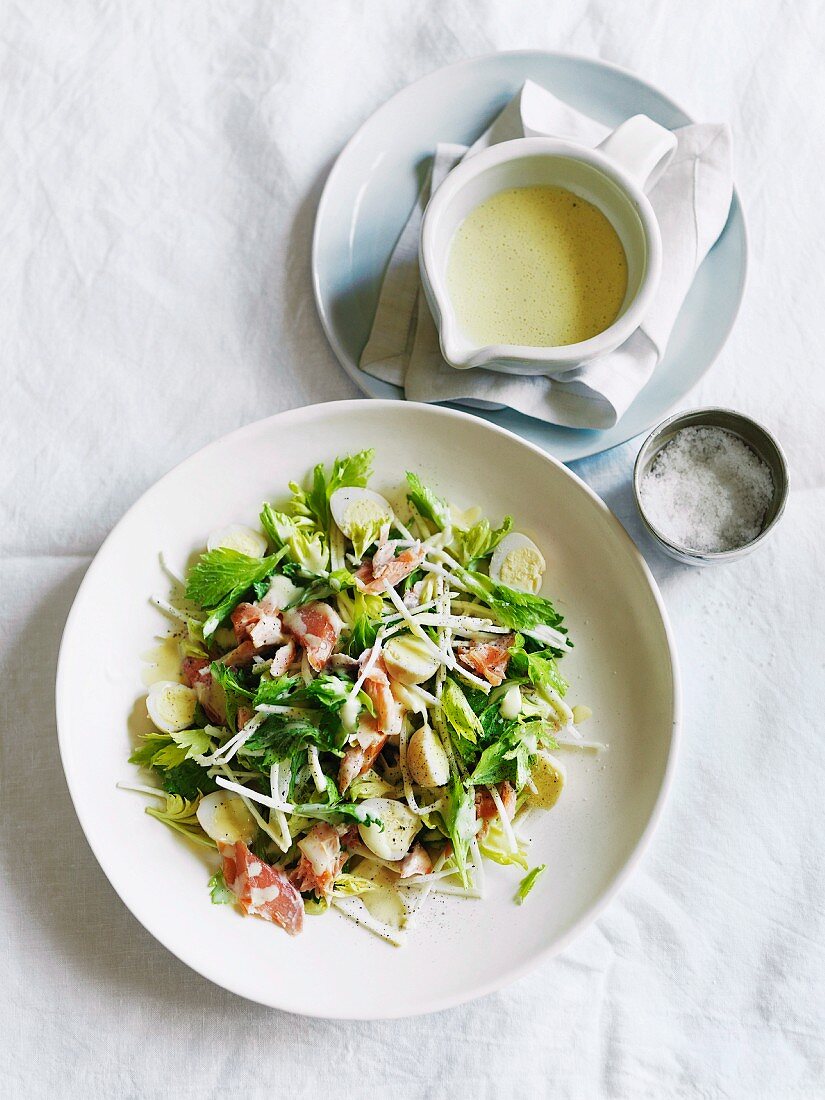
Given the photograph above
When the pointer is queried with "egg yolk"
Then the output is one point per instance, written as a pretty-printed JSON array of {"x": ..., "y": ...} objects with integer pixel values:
[{"x": 522, "y": 568}]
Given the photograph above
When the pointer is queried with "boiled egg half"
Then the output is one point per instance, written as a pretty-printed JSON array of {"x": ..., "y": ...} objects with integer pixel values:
[
  {"x": 427, "y": 761},
  {"x": 224, "y": 817},
  {"x": 352, "y": 507},
  {"x": 518, "y": 563},
  {"x": 171, "y": 705},
  {"x": 237, "y": 537},
  {"x": 409, "y": 659},
  {"x": 400, "y": 826}
]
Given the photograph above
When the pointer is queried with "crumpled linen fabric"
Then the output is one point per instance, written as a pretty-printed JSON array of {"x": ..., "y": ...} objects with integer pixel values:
[{"x": 161, "y": 167}]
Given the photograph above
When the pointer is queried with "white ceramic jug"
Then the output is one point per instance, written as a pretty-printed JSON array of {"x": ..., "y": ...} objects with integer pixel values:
[{"x": 613, "y": 177}]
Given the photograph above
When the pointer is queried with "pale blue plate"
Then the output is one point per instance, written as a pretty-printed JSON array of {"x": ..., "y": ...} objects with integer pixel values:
[{"x": 374, "y": 183}]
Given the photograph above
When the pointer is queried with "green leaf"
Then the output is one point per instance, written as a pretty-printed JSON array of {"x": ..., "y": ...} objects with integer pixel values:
[
  {"x": 301, "y": 782},
  {"x": 478, "y": 700},
  {"x": 539, "y": 668},
  {"x": 274, "y": 692},
  {"x": 219, "y": 892},
  {"x": 340, "y": 580},
  {"x": 522, "y": 611},
  {"x": 223, "y": 611},
  {"x": 426, "y": 503},
  {"x": 522, "y": 756},
  {"x": 460, "y": 823},
  {"x": 366, "y": 703},
  {"x": 169, "y": 756},
  {"x": 151, "y": 744},
  {"x": 528, "y": 882},
  {"x": 323, "y": 587},
  {"x": 328, "y": 691},
  {"x": 188, "y": 780},
  {"x": 480, "y": 540},
  {"x": 335, "y": 814},
  {"x": 477, "y": 583},
  {"x": 458, "y": 712},
  {"x": 333, "y": 794},
  {"x": 518, "y": 610},
  {"x": 318, "y": 497},
  {"x": 234, "y": 691},
  {"x": 219, "y": 574},
  {"x": 495, "y": 845},
  {"x": 351, "y": 470},
  {"x": 193, "y": 644},
  {"x": 366, "y": 612},
  {"x": 293, "y": 572},
  {"x": 331, "y": 692},
  {"x": 509, "y": 754},
  {"x": 178, "y": 774},
  {"x": 410, "y": 580},
  {"x": 502, "y": 855},
  {"x": 167, "y": 751},
  {"x": 372, "y": 606},
  {"x": 304, "y": 546},
  {"x": 350, "y": 886},
  {"x": 304, "y": 502},
  {"x": 493, "y": 725},
  {"x": 364, "y": 633},
  {"x": 492, "y": 766},
  {"x": 179, "y": 814},
  {"x": 196, "y": 742},
  {"x": 280, "y": 739},
  {"x": 364, "y": 535}
]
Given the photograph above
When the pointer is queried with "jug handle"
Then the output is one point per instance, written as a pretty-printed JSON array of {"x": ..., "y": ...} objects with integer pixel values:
[{"x": 642, "y": 147}]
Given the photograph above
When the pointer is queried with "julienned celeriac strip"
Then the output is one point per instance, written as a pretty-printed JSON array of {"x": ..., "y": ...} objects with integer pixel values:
[{"x": 368, "y": 703}]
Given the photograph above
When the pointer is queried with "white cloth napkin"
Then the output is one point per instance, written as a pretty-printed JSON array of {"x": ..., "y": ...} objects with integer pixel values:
[{"x": 691, "y": 201}]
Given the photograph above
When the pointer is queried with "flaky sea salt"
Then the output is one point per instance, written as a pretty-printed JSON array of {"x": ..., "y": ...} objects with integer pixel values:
[{"x": 707, "y": 490}]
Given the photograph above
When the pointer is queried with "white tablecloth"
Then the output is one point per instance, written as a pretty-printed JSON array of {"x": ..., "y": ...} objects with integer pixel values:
[{"x": 161, "y": 164}]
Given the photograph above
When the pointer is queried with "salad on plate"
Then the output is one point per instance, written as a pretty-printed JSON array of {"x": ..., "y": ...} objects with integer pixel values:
[{"x": 366, "y": 703}]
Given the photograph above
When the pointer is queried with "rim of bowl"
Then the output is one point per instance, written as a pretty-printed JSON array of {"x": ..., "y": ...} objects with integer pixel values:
[{"x": 707, "y": 416}]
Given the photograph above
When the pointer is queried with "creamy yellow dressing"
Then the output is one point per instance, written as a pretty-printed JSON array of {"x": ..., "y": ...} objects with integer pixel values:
[
  {"x": 537, "y": 267},
  {"x": 162, "y": 662},
  {"x": 548, "y": 779},
  {"x": 382, "y": 903},
  {"x": 233, "y": 821}
]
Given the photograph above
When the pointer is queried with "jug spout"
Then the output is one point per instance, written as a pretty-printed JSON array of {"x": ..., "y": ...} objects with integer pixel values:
[{"x": 454, "y": 347}]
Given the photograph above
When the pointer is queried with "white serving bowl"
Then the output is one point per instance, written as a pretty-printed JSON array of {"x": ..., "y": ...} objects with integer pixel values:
[{"x": 623, "y": 666}]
